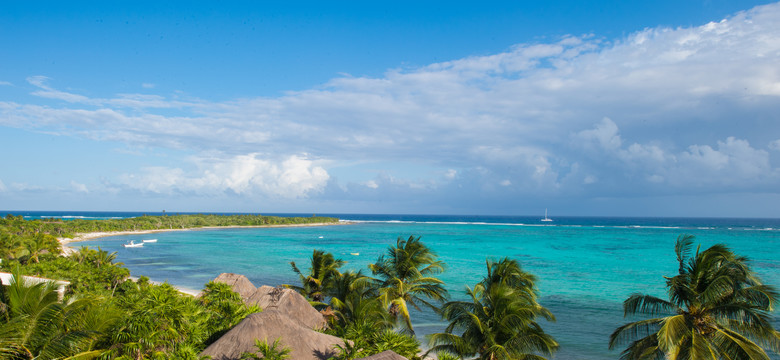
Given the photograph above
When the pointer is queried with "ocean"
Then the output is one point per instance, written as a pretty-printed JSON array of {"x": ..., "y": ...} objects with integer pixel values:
[{"x": 586, "y": 266}]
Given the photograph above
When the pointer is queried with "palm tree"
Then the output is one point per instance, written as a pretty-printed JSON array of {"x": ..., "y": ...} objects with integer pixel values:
[
  {"x": 11, "y": 246},
  {"x": 159, "y": 321},
  {"x": 275, "y": 351},
  {"x": 405, "y": 277},
  {"x": 224, "y": 309},
  {"x": 717, "y": 309},
  {"x": 41, "y": 243},
  {"x": 103, "y": 257},
  {"x": 499, "y": 319},
  {"x": 356, "y": 307},
  {"x": 35, "y": 324},
  {"x": 323, "y": 271}
]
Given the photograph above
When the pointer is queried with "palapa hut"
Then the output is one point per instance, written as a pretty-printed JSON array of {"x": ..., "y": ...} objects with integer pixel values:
[
  {"x": 385, "y": 355},
  {"x": 239, "y": 283},
  {"x": 289, "y": 302},
  {"x": 269, "y": 325}
]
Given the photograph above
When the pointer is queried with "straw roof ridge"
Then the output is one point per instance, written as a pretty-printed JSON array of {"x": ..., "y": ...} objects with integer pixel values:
[
  {"x": 239, "y": 283},
  {"x": 305, "y": 343},
  {"x": 289, "y": 302}
]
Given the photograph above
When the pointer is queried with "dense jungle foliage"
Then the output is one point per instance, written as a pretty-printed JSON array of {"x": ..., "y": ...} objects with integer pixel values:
[{"x": 18, "y": 226}]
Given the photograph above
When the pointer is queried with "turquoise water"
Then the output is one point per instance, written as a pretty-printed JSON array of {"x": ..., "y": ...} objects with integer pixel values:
[{"x": 586, "y": 266}]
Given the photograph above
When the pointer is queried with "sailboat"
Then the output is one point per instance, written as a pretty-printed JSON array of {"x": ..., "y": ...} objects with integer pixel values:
[{"x": 546, "y": 219}]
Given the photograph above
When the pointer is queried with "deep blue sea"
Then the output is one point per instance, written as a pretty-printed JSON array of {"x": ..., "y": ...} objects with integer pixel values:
[{"x": 586, "y": 266}]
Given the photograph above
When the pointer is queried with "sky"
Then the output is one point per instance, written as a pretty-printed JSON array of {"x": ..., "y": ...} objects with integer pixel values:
[{"x": 608, "y": 108}]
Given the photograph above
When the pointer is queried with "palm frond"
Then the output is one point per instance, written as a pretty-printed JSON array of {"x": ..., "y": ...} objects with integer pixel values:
[{"x": 648, "y": 305}]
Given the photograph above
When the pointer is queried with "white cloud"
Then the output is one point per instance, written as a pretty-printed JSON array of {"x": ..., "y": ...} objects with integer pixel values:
[
  {"x": 250, "y": 175},
  {"x": 2, "y": 187},
  {"x": 148, "y": 85},
  {"x": 526, "y": 114},
  {"x": 78, "y": 187},
  {"x": 5, "y": 83},
  {"x": 604, "y": 134},
  {"x": 450, "y": 174},
  {"x": 25, "y": 187},
  {"x": 372, "y": 184},
  {"x": 733, "y": 162}
]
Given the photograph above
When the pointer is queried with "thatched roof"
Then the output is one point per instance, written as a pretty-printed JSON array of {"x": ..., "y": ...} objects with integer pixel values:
[
  {"x": 306, "y": 344},
  {"x": 289, "y": 302},
  {"x": 385, "y": 355},
  {"x": 239, "y": 283}
]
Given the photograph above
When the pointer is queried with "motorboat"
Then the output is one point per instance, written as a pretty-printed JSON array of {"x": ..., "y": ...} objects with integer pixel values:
[{"x": 133, "y": 244}]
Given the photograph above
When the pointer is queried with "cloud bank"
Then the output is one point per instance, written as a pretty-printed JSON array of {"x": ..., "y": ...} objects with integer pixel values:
[{"x": 661, "y": 112}]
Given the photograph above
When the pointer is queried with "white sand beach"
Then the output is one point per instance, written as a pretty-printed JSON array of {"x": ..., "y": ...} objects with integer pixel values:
[{"x": 68, "y": 247}]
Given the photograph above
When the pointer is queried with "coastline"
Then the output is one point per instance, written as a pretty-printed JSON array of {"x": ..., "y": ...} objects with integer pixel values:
[
  {"x": 68, "y": 249},
  {"x": 181, "y": 289}
]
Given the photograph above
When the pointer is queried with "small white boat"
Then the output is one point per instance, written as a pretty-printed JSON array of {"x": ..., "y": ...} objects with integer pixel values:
[
  {"x": 546, "y": 219},
  {"x": 150, "y": 240},
  {"x": 133, "y": 244},
  {"x": 355, "y": 254}
]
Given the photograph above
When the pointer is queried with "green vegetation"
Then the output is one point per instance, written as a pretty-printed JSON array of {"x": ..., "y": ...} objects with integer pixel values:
[
  {"x": 498, "y": 321},
  {"x": 323, "y": 272},
  {"x": 34, "y": 324},
  {"x": 717, "y": 309},
  {"x": 274, "y": 351},
  {"x": 406, "y": 277},
  {"x": 104, "y": 315},
  {"x": 26, "y": 230}
]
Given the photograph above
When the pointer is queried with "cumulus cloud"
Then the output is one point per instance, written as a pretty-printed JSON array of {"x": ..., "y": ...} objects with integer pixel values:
[
  {"x": 525, "y": 120},
  {"x": 292, "y": 177}
]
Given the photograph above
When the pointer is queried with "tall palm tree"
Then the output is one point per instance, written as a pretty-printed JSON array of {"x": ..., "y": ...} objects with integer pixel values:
[
  {"x": 323, "y": 271},
  {"x": 499, "y": 319},
  {"x": 355, "y": 303},
  {"x": 406, "y": 277},
  {"x": 717, "y": 309}
]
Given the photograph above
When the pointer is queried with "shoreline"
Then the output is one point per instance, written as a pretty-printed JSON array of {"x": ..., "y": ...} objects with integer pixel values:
[
  {"x": 68, "y": 249},
  {"x": 181, "y": 289}
]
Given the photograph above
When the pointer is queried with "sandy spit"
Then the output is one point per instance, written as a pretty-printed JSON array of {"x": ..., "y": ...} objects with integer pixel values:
[
  {"x": 67, "y": 247},
  {"x": 67, "y": 243}
]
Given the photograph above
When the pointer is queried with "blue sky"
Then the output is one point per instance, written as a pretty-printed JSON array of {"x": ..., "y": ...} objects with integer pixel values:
[{"x": 662, "y": 108}]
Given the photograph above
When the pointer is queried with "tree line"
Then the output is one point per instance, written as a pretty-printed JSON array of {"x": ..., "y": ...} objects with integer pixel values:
[{"x": 26, "y": 240}]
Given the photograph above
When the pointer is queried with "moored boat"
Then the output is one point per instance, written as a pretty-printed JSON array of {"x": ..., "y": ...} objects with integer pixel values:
[{"x": 133, "y": 244}]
